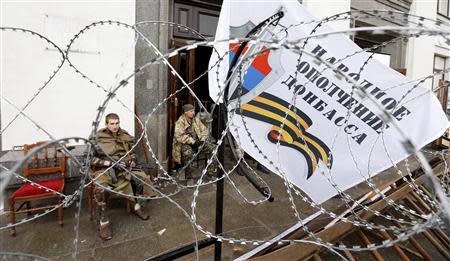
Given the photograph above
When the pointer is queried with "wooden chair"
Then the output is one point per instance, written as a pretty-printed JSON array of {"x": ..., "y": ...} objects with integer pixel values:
[
  {"x": 90, "y": 200},
  {"x": 43, "y": 164}
]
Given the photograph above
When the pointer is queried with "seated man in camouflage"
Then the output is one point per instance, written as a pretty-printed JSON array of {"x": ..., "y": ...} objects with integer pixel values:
[
  {"x": 190, "y": 135},
  {"x": 113, "y": 143}
]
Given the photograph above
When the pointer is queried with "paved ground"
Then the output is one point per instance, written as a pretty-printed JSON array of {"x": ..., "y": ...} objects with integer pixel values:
[{"x": 167, "y": 228}]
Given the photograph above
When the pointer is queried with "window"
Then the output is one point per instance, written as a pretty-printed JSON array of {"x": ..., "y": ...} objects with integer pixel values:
[
  {"x": 440, "y": 64},
  {"x": 443, "y": 7}
]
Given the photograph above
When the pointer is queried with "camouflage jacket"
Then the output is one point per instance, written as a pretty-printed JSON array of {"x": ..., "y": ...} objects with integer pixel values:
[
  {"x": 114, "y": 145},
  {"x": 181, "y": 137}
]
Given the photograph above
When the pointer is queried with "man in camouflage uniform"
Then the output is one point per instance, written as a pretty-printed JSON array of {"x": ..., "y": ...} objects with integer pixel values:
[
  {"x": 190, "y": 135},
  {"x": 113, "y": 143}
]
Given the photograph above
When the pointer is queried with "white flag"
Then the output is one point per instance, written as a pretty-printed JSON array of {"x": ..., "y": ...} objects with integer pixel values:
[{"x": 319, "y": 147}]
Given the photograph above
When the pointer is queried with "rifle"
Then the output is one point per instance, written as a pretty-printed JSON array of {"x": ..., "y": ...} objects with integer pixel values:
[
  {"x": 112, "y": 171},
  {"x": 192, "y": 133},
  {"x": 113, "y": 175}
]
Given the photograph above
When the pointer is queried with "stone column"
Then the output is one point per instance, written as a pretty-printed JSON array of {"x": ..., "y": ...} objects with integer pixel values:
[{"x": 151, "y": 87}]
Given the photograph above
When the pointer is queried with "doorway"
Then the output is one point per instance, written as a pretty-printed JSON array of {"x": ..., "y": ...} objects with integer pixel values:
[{"x": 190, "y": 65}]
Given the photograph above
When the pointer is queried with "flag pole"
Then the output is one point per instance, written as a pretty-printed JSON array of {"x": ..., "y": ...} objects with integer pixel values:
[{"x": 221, "y": 127}]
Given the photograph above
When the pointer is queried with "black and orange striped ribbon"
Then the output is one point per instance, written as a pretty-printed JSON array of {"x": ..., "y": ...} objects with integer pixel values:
[{"x": 271, "y": 109}]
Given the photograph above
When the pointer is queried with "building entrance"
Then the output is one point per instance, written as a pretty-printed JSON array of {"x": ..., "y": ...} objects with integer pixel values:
[{"x": 192, "y": 66}]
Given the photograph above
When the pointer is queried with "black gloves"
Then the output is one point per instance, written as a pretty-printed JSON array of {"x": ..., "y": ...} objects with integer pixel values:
[{"x": 197, "y": 144}]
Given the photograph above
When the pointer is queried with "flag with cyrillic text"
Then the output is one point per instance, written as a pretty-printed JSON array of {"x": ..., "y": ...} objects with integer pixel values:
[{"x": 304, "y": 120}]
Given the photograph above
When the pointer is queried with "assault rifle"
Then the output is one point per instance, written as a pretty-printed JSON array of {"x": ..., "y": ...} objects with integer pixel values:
[
  {"x": 112, "y": 171},
  {"x": 198, "y": 142}
]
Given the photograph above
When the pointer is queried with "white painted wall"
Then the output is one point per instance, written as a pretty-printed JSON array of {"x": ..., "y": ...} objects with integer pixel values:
[
  {"x": 67, "y": 106},
  {"x": 323, "y": 9},
  {"x": 420, "y": 51}
]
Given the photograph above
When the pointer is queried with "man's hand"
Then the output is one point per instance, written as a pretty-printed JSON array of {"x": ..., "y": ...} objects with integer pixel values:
[
  {"x": 122, "y": 164},
  {"x": 197, "y": 144},
  {"x": 132, "y": 163},
  {"x": 107, "y": 163}
]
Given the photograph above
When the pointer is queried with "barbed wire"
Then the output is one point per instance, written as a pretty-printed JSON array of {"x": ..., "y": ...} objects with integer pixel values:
[{"x": 413, "y": 223}]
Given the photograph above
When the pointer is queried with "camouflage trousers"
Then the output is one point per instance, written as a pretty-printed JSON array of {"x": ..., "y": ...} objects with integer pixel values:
[
  {"x": 126, "y": 184},
  {"x": 187, "y": 154}
]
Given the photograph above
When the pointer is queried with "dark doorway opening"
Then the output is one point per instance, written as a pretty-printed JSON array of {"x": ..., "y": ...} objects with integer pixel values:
[
  {"x": 202, "y": 57},
  {"x": 191, "y": 65}
]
